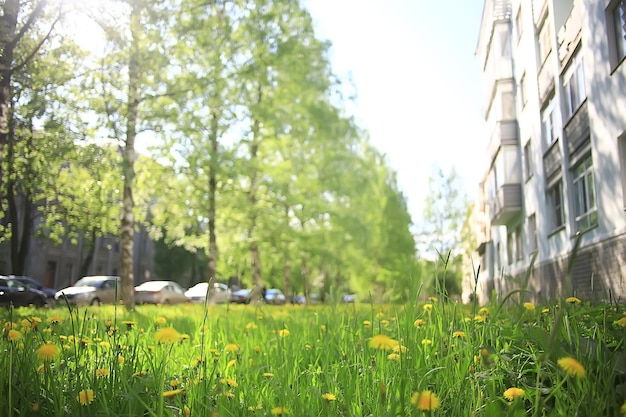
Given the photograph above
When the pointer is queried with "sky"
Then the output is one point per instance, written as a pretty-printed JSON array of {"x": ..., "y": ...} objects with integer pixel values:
[{"x": 418, "y": 84}]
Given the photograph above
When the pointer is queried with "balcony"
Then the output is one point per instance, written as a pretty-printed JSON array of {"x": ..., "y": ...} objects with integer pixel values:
[
  {"x": 552, "y": 160},
  {"x": 504, "y": 133},
  {"x": 506, "y": 205},
  {"x": 545, "y": 79},
  {"x": 577, "y": 129},
  {"x": 497, "y": 70}
]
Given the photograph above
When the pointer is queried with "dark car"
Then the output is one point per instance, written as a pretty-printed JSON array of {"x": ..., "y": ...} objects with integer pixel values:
[
  {"x": 14, "y": 292},
  {"x": 33, "y": 283}
]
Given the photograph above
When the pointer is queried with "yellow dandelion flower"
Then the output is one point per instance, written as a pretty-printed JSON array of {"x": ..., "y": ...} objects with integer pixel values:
[
  {"x": 433, "y": 299},
  {"x": 283, "y": 332},
  {"x": 545, "y": 311},
  {"x": 384, "y": 323},
  {"x": 513, "y": 393},
  {"x": 323, "y": 327},
  {"x": 428, "y": 307},
  {"x": 280, "y": 411},
  {"x": 85, "y": 397},
  {"x": 41, "y": 369},
  {"x": 479, "y": 318},
  {"x": 382, "y": 342},
  {"x": 623, "y": 409},
  {"x": 572, "y": 300},
  {"x": 230, "y": 382},
  {"x": 102, "y": 372},
  {"x": 572, "y": 367},
  {"x": 419, "y": 322},
  {"x": 251, "y": 326},
  {"x": 483, "y": 311},
  {"x": 184, "y": 337},
  {"x": 105, "y": 344},
  {"x": 231, "y": 347},
  {"x": 120, "y": 359},
  {"x": 393, "y": 357},
  {"x": 380, "y": 315},
  {"x": 167, "y": 335},
  {"x": 14, "y": 335},
  {"x": 400, "y": 348},
  {"x": 529, "y": 306},
  {"x": 268, "y": 375},
  {"x": 226, "y": 394},
  {"x": 367, "y": 323},
  {"x": 108, "y": 324},
  {"x": 171, "y": 393},
  {"x": 48, "y": 352},
  {"x": 160, "y": 320},
  {"x": 54, "y": 320},
  {"x": 187, "y": 411},
  {"x": 425, "y": 400},
  {"x": 622, "y": 321},
  {"x": 231, "y": 362},
  {"x": 257, "y": 349},
  {"x": 458, "y": 334},
  {"x": 427, "y": 342},
  {"x": 129, "y": 323},
  {"x": 10, "y": 325},
  {"x": 329, "y": 397}
]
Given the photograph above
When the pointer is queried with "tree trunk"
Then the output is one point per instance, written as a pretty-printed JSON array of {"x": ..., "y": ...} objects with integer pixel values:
[
  {"x": 287, "y": 264},
  {"x": 128, "y": 165},
  {"x": 91, "y": 250},
  {"x": 255, "y": 262},
  {"x": 212, "y": 264},
  {"x": 8, "y": 23},
  {"x": 304, "y": 270}
]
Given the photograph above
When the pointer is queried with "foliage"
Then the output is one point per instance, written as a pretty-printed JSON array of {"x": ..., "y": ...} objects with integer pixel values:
[{"x": 332, "y": 359}]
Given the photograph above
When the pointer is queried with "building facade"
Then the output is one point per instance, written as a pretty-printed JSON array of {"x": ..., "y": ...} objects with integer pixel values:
[
  {"x": 58, "y": 266},
  {"x": 551, "y": 206}
]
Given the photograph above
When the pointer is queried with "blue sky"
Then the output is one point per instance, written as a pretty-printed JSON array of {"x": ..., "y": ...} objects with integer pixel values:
[{"x": 418, "y": 83}]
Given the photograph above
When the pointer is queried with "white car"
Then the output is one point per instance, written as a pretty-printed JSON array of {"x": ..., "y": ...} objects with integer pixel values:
[
  {"x": 160, "y": 292},
  {"x": 91, "y": 290},
  {"x": 220, "y": 294}
]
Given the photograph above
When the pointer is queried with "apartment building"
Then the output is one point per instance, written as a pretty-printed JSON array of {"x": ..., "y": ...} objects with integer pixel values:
[{"x": 554, "y": 192}]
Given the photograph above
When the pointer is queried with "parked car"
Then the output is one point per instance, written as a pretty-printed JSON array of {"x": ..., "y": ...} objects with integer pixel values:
[
  {"x": 91, "y": 290},
  {"x": 18, "y": 294},
  {"x": 272, "y": 296},
  {"x": 220, "y": 294},
  {"x": 240, "y": 296},
  {"x": 275, "y": 296},
  {"x": 33, "y": 283},
  {"x": 160, "y": 292}
]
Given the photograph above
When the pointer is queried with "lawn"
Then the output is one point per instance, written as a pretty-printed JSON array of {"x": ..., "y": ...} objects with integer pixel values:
[{"x": 429, "y": 358}]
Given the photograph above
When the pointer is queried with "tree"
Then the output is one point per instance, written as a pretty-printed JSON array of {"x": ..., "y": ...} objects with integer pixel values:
[{"x": 445, "y": 210}]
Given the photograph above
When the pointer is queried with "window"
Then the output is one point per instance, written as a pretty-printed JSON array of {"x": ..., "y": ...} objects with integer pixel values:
[
  {"x": 584, "y": 195},
  {"x": 574, "y": 85},
  {"x": 544, "y": 41},
  {"x": 519, "y": 245},
  {"x": 548, "y": 125},
  {"x": 528, "y": 161},
  {"x": 616, "y": 19},
  {"x": 523, "y": 90},
  {"x": 555, "y": 206},
  {"x": 532, "y": 233},
  {"x": 518, "y": 23}
]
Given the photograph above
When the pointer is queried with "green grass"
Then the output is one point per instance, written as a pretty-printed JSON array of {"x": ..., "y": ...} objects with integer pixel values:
[{"x": 260, "y": 361}]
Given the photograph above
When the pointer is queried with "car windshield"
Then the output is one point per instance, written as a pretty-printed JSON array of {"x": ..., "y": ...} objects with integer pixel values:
[{"x": 89, "y": 282}]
